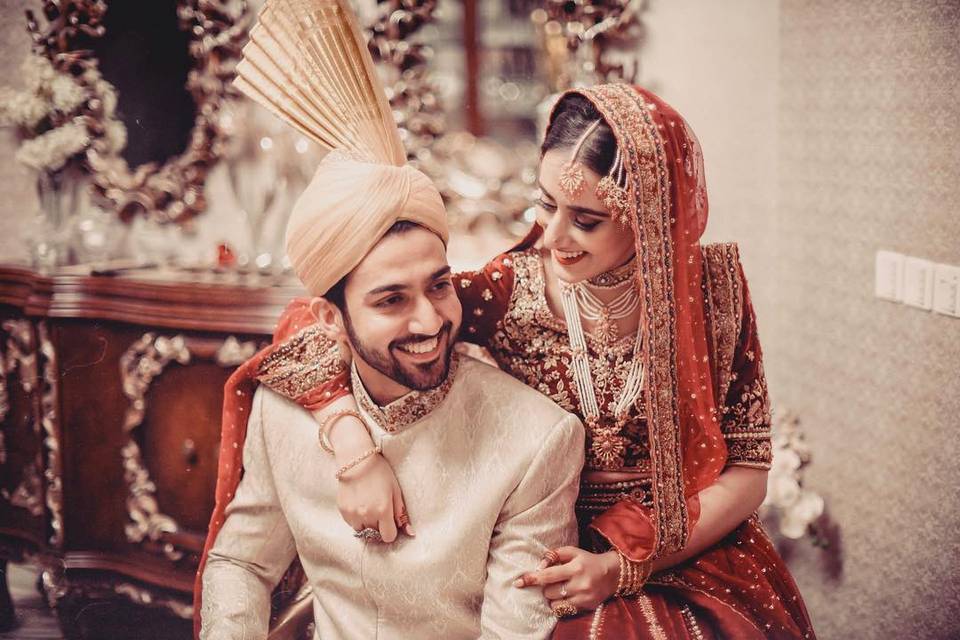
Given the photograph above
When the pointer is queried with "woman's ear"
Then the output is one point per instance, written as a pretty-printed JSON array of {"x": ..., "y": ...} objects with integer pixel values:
[{"x": 329, "y": 319}]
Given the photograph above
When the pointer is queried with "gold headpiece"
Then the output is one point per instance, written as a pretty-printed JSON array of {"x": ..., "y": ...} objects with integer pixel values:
[{"x": 611, "y": 189}]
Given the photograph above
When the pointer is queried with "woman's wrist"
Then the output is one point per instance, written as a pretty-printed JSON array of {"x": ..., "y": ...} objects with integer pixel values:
[{"x": 348, "y": 437}]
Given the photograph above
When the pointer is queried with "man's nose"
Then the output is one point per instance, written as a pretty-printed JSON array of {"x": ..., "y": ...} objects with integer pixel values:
[{"x": 425, "y": 320}]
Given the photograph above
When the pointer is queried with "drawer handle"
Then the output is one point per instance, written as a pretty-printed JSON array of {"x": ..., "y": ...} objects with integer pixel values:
[{"x": 189, "y": 450}]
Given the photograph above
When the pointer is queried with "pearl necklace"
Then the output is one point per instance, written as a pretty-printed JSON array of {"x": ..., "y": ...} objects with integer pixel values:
[
  {"x": 593, "y": 308},
  {"x": 570, "y": 297}
]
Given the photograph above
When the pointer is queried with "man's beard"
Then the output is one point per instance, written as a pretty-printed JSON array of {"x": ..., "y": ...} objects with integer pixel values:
[{"x": 419, "y": 377}]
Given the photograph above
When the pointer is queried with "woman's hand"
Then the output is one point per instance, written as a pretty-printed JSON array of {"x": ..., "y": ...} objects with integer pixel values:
[
  {"x": 369, "y": 494},
  {"x": 580, "y": 578}
]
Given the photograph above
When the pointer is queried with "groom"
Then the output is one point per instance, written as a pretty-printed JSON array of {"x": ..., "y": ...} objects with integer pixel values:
[{"x": 489, "y": 467}]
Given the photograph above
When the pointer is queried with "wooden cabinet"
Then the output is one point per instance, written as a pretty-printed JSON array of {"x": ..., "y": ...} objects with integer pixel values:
[{"x": 110, "y": 398}]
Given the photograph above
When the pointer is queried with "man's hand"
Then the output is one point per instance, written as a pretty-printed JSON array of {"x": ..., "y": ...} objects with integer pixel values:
[{"x": 580, "y": 578}]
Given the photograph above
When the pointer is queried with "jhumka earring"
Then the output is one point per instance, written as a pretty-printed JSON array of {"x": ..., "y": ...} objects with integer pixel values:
[
  {"x": 571, "y": 176},
  {"x": 612, "y": 192}
]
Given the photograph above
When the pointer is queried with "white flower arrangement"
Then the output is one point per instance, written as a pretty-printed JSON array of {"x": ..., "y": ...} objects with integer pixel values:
[
  {"x": 797, "y": 508},
  {"x": 51, "y": 114}
]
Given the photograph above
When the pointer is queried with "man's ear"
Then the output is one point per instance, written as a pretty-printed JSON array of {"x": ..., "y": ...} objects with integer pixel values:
[{"x": 329, "y": 319}]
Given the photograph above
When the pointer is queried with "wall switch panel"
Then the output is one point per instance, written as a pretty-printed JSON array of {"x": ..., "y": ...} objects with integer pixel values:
[
  {"x": 946, "y": 290},
  {"x": 918, "y": 283},
  {"x": 889, "y": 276}
]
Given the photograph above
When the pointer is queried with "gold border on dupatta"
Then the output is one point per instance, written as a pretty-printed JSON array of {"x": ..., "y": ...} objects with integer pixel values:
[{"x": 642, "y": 149}]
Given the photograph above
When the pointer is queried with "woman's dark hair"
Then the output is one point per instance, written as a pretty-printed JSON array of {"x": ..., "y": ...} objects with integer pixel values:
[{"x": 572, "y": 116}]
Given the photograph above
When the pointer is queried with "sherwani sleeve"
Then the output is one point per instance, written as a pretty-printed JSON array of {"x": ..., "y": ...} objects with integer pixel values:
[
  {"x": 538, "y": 515},
  {"x": 251, "y": 552}
]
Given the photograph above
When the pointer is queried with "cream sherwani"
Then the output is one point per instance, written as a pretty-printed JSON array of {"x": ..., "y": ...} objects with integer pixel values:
[{"x": 489, "y": 470}]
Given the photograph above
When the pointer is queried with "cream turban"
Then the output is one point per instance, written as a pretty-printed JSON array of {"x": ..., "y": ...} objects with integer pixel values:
[{"x": 347, "y": 208}]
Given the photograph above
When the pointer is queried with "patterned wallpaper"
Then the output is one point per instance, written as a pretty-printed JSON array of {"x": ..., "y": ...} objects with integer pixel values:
[{"x": 869, "y": 158}]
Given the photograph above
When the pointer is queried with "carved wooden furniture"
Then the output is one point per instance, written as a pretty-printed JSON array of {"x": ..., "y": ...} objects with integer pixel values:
[{"x": 110, "y": 400}]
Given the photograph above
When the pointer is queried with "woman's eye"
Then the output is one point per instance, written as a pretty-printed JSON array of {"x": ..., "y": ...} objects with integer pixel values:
[
  {"x": 546, "y": 205},
  {"x": 585, "y": 224}
]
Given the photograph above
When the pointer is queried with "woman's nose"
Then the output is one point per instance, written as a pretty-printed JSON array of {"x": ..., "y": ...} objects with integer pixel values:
[{"x": 555, "y": 231}]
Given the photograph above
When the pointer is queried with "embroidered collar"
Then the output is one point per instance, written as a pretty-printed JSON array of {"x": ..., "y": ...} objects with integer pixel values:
[{"x": 407, "y": 409}]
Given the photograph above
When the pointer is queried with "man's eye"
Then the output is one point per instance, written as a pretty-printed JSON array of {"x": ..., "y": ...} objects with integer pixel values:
[
  {"x": 389, "y": 302},
  {"x": 443, "y": 284}
]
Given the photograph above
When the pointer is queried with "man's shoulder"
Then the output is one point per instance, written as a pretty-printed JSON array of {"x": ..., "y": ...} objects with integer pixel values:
[
  {"x": 272, "y": 406},
  {"x": 486, "y": 382}
]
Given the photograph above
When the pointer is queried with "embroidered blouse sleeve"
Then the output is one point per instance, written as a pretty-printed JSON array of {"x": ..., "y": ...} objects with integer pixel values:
[
  {"x": 303, "y": 364},
  {"x": 745, "y": 414},
  {"x": 485, "y": 297}
]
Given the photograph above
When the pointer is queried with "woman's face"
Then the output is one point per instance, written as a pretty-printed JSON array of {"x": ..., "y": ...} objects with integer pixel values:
[{"x": 583, "y": 239}]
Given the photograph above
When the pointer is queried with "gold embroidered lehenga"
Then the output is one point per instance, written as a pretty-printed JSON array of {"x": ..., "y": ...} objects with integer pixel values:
[{"x": 704, "y": 407}]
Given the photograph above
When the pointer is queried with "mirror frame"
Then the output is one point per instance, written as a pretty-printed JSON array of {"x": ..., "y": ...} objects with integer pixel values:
[{"x": 171, "y": 191}]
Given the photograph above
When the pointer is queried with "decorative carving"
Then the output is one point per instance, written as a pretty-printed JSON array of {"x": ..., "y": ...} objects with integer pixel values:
[
  {"x": 233, "y": 353},
  {"x": 50, "y": 429},
  {"x": 173, "y": 191},
  {"x": 601, "y": 27},
  {"x": 413, "y": 99},
  {"x": 56, "y": 587},
  {"x": 139, "y": 366},
  {"x": 19, "y": 354},
  {"x": 29, "y": 493}
]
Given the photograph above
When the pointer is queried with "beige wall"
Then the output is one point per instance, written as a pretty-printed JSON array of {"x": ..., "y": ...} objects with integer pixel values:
[{"x": 830, "y": 130}]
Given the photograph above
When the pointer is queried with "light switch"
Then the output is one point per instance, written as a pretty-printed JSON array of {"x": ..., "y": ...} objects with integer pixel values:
[
  {"x": 889, "y": 276},
  {"x": 946, "y": 290},
  {"x": 918, "y": 283}
]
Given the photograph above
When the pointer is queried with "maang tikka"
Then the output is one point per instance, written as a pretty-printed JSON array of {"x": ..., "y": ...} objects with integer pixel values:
[{"x": 611, "y": 189}]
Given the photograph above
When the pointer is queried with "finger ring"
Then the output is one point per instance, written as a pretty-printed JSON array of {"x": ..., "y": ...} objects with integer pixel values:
[
  {"x": 564, "y": 610},
  {"x": 563, "y": 590},
  {"x": 369, "y": 533},
  {"x": 551, "y": 556}
]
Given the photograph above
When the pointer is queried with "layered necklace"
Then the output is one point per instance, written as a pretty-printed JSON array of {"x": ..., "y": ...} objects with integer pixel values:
[{"x": 608, "y": 446}]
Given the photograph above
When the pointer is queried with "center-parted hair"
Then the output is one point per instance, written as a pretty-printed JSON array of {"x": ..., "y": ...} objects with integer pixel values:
[{"x": 572, "y": 116}]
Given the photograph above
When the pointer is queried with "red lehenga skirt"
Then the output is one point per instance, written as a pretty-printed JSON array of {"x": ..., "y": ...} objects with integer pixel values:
[{"x": 738, "y": 589}]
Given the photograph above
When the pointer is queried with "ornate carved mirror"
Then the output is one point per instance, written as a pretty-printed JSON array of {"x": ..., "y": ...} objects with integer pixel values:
[{"x": 168, "y": 64}]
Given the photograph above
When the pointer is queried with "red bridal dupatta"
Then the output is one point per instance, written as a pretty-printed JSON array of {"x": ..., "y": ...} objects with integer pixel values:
[{"x": 667, "y": 207}]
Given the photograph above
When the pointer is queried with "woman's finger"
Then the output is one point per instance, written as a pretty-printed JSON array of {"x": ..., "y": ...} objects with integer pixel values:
[
  {"x": 566, "y": 554},
  {"x": 545, "y": 576},
  {"x": 400, "y": 512},
  {"x": 556, "y": 591},
  {"x": 387, "y": 527}
]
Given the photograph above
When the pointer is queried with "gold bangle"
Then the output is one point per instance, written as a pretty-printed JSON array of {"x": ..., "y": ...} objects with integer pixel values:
[
  {"x": 633, "y": 576},
  {"x": 623, "y": 570},
  {"x": 350, "y": 465},
  {"x": 327, "y": 426}
]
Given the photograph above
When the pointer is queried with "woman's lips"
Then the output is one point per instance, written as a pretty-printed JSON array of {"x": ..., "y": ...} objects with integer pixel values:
[{"x": 567, "y": 258}]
